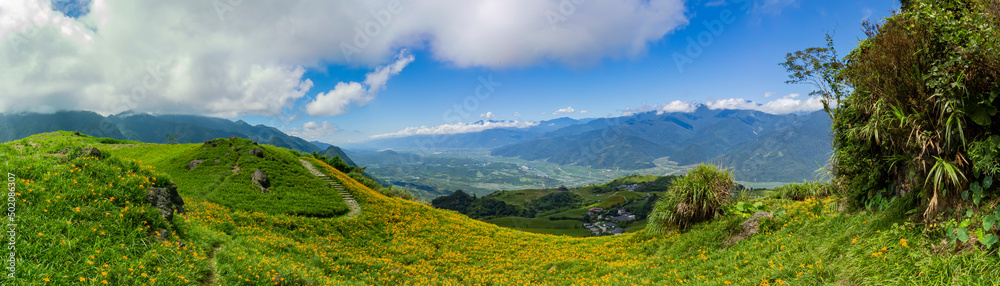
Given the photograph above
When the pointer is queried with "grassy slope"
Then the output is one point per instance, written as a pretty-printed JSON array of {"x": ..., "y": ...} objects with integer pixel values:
[
  {"x": 83, "y": 219},
  {"x": 399, "y": 242},
  {"x": 293, "y": 189}
]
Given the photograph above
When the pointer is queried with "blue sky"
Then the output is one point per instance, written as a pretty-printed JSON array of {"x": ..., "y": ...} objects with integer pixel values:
[{"x": 424, "y": 65}]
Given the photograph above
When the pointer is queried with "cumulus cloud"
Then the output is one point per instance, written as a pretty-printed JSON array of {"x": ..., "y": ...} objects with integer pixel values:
[
  {"x": 564, "y": 110},
  {"x": 314, "y": 131},
  {"x": 787, "y": 104},
  {"x": 732, "y": 103},
  {"x": 489, "y": 115},
  {"x": 336, "y": 101},
  {"x": 677, "y": 106},
  {"x": 784, "y": 105},
  {"x": 236, "y": 58},
  {"x": 456, "y": 128}
]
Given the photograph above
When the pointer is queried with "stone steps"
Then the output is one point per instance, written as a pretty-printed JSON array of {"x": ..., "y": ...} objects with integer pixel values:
[{"x": 353, "y": 205}]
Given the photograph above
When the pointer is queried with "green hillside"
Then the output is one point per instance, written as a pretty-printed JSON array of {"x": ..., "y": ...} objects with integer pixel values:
[
  {"x": 82, "y": 220},
  {"x": 226, "y": 182}
]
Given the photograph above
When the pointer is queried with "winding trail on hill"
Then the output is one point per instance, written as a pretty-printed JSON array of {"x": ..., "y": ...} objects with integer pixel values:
[
  {"x": 355, "y": 209},
  {"x": 211, "y": 278}
]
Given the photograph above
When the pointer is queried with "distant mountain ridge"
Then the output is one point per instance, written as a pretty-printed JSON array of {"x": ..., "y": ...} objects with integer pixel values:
[
  {"x": 757, "y": 145},
  {"x": 153, "y": 129},
  {"x": 489, "y": 138}
]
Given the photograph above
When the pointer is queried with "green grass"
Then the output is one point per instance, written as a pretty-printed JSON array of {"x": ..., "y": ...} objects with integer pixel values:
[
  {"x": 523, "y": 222},
  {"x": 610, "y": 201},
  {"x": 398, "y": 242},
  {"x": 83, "y": 220},
  {"x": 293, "y": 189},
  {"x": 571, "y": 232},
  {"x": 575, "y": 213}
]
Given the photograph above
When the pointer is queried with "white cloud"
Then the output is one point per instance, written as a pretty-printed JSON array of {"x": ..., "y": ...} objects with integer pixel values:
[
  {"x": 456, "y": 128},
  {"x": 583, "y": 111},
  {"x": 677, "y": 106},
  {"x": 784, "y": 105},
  {"x": 732, "y": 103},
  {"x": 789, "y": 104},
  {"x": 490, "y": 115},
  {"x": 336, "y": 101},
  {"x": 768, "y": 94},
  {"x": 235, "y": 58},
  {"x": 564, "y": 110},
  {"x": 314, "y": 131}
]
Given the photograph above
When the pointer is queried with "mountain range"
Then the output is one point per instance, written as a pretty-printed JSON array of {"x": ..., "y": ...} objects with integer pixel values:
[
  {"x": 756, "y": 145},
  {"x": 154, "y": 129},
  {"x": 489, "y": 138}
]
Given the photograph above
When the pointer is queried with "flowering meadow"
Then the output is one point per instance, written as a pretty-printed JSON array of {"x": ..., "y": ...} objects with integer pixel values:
[{"x": 82, "y": 220}]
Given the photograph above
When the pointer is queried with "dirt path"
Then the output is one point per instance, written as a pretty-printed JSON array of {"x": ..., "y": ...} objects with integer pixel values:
[
  {"x": 211, "y": 264},
  {"x": 351, "y": 203}
]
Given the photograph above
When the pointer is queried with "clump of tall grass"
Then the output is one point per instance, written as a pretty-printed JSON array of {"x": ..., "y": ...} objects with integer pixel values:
[
  {"x": 698, "y": 196},
  {"x": 798, "y": 192}
]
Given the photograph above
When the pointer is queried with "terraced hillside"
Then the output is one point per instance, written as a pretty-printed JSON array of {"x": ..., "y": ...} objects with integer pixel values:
[{"x": 82, "y": 220}]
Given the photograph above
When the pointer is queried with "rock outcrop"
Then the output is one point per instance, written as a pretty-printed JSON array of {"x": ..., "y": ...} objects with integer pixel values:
[
  {"x": 89, "y": 152},
  {"x": 749, "y": 227},
  {"x": 166, "y": 200},
  {"x": 194, "y": 164},
  {"x": 257, "y": 152},
  {"x": 260, "y": 179}
]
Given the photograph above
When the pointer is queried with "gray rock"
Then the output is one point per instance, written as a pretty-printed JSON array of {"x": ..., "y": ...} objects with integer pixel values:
[
  {"x": 260, "y": 179},
  {"x": 194, "y": 164},
  {"x": 166, "y": 200},
  {"x": 749, "y": 227},
  {"x": 257, "y": 152},
  {"x": 217, "y": 160},
  {"x": 89, "y": 152},
  {"x": 232, "y": 137},
  {"x": 63, "y": 151}
]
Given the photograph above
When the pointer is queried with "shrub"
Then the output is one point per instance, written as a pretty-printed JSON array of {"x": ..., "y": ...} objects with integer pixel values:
[
  {"x": 798, "y": 192},
  {"x": 698, "y": 196},
  {"x": 915, "y": 103}
]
